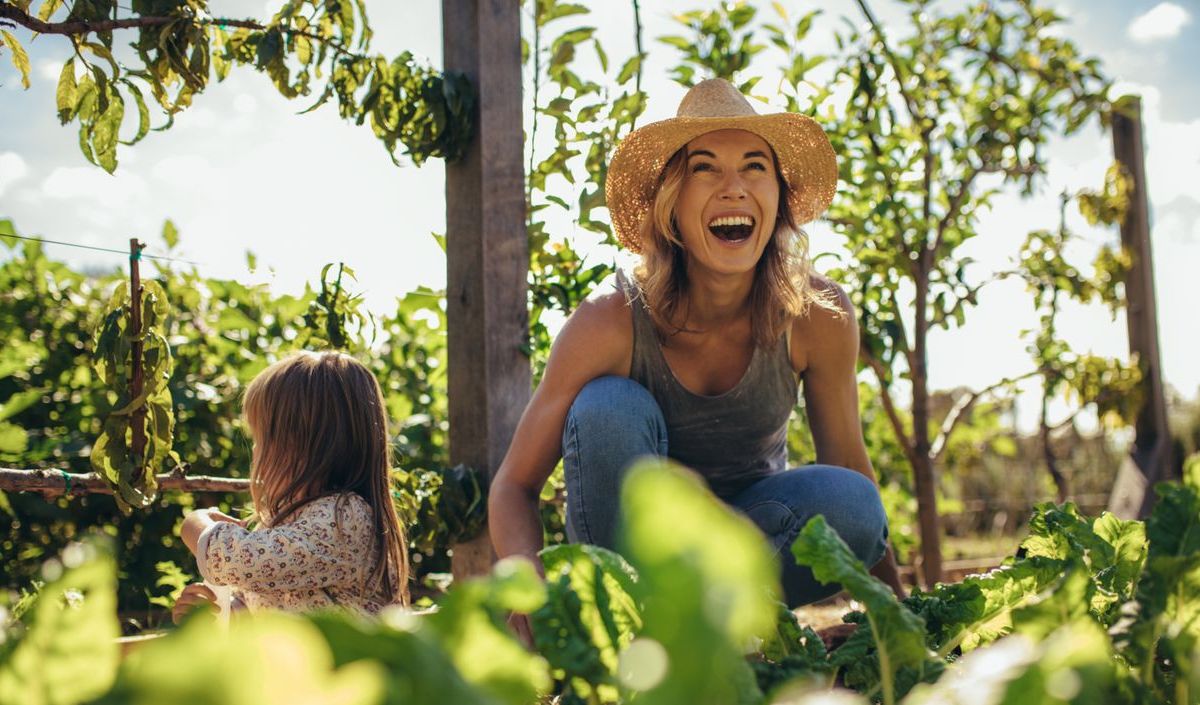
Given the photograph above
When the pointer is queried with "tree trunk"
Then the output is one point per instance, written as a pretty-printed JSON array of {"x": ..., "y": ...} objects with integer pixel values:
[
  {"x": 1060, "y": 481},
  {"x": 924, "y": 477}
]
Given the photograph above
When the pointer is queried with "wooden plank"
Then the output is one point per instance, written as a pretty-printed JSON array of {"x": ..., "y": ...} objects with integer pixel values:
[
  {"x": 1152, "y": 448},
  {"x": 487, "y": 251}
]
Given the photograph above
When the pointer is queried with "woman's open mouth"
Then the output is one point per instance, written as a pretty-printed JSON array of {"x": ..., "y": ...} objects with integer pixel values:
[{"x": 732, "y": 228}]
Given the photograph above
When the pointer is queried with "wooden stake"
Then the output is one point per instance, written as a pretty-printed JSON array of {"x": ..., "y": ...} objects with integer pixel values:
[
  {"x": 1151, "y": 453},
  {"x": 137, "y": 419},
  {"x": 487, "y": 250}
]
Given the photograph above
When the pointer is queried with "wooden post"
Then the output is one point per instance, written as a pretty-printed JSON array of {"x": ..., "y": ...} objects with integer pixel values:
[
  {"x": 1150, "y": 457},
  {"x": 137, "y": 420},
  {"x": 487, "y": 251}
]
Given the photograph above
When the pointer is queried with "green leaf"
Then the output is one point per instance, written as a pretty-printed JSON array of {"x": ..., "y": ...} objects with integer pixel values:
[
  {"x": 1074, "y": 665},
  {"x": 105, "y": 132},
  {"x": 898, "y": 634},
  {"x": 20, "y": 402},
  {"x": 272, "y": 659},
  {"x": 67, "y": 95},
  {"x": 49, "y": 7},
  {"x": 170, "y": 234},
  {"x": 143, "y": 112},
  {"x": 590, "y": 614},
  {"x": 417, "y": 669},
  {"x": 69, "y": 654},
  {"x": 629, "y": 68},
  {"x": 469, "y": 626},
  {"x": 20, "y": 59},
  {"x": 708, "y": 582},
  {"x": 13, "y": 438}
]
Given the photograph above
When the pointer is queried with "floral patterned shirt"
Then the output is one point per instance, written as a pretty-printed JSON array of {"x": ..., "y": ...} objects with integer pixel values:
[{"x": 321, "y": 556}]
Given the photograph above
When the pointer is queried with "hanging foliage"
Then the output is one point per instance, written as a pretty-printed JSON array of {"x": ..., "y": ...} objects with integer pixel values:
[
  {"x": 415, "y": 111},
  {"x": 130, "y": 470}
]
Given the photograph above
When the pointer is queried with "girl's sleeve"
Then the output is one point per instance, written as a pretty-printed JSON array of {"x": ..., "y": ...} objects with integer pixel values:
[{"x": 311, "y": 552}]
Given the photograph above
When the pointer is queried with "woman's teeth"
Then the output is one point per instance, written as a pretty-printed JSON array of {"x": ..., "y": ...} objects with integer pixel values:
[{"x": 732, "y": 228}]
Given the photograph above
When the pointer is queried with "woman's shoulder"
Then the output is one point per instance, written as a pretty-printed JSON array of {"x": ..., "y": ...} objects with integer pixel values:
[
  {"x": 606, "y": 311},
  {"x": 597, "y": 339},
  {"x": 827, "y": 327}
]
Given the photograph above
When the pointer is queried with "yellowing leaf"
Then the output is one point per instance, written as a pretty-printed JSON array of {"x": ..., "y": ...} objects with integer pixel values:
[{"x": 20, "y": 58}]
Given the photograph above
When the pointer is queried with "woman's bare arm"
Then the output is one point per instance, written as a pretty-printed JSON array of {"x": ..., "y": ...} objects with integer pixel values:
[
  {"x": 829, "y": 360},
  {"x": 597, "y": 340}
]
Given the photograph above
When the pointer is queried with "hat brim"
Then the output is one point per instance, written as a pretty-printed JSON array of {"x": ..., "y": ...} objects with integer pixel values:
[{"x": 806, "y": 161}]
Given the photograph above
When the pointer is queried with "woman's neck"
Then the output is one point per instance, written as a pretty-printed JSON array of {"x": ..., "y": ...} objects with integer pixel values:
[{"x": 716, "y": 301}]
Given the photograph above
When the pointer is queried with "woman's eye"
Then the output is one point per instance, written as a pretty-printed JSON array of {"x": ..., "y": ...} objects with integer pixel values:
[
  {"x": 701, "y": 166},
  {"x": 757, "y": 165}
]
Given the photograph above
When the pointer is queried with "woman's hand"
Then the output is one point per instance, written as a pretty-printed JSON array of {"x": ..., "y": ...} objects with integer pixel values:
[
  {"x": 194, "y": 596},
  {"x": 519, "y": 624}
]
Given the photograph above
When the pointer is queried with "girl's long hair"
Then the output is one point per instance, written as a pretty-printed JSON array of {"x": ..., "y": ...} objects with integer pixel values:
[
  {"x": 320, "y": 429},
  {"x": 782, "y": 287}
]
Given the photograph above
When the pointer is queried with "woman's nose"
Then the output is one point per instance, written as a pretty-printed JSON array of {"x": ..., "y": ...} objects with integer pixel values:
[{"x": 733, "y": 187}]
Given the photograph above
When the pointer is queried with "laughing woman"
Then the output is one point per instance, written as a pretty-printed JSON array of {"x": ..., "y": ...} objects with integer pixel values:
[{"x": 700, "y": 354}]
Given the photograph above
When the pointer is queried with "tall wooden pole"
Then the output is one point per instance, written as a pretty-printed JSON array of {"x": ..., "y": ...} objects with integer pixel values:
[
  {"x": 1151, "y": 451},
  {"x": 487, "y": 251},
  {"x": 137, "y": 419}
]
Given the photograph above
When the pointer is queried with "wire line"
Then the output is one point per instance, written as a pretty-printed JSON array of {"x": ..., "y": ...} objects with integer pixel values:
[{"x": 99, "y": 249}]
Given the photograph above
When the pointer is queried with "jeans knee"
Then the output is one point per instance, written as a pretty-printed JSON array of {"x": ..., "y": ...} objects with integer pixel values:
[
  {"x": 615, "y": 405},
  {"x": 870, "y": 535},
  {"x": 855, "y": 510}
]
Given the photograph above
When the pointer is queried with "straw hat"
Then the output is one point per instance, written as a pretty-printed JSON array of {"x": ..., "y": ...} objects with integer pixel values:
[{"x": 806, "y": 158}]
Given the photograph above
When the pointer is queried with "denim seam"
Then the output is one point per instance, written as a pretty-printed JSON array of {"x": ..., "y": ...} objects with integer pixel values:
[
  {"x": 573, "y": 433},
  {"x": 795, "y": 529}
]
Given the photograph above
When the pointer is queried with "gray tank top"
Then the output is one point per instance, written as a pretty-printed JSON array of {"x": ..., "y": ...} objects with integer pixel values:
[{"x": 731, "y": 439}]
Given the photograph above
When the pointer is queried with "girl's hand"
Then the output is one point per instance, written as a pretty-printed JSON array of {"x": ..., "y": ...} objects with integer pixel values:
[
  {"x": 217, "y": 515},
  {"x": 194, "y": 596}
]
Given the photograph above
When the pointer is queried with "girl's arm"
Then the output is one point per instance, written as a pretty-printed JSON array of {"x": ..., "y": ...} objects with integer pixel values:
[
  {"x": 597, "y": 340},
  {"x": 830, "y": 364},
  {"x": 195, "y": 523}
]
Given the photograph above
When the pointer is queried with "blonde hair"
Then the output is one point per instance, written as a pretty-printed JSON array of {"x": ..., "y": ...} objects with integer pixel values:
[
  {"x": 320, "y": 429},
  {"x": 782, "y": 287}
]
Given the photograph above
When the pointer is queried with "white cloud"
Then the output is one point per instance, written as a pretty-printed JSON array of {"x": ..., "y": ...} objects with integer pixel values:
[
  {"x": 1162, "y": 22},
  {"x": 90, "y": 182},
  {"x": 185, "y": 171},
  {"x": 12, "y": 170},
  {"x": 245, "y": 103},
  {"x": 50, "y": 70}
]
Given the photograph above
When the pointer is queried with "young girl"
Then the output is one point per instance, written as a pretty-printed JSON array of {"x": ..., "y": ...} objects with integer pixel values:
[{"x": 327, "y": 533}]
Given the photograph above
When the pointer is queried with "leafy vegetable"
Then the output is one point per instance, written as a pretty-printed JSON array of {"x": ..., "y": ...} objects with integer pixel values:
[
  {"x": 896, "y": 635},
  {"x": 68, "y": 654},
  {"x": 706, "y": 580}
]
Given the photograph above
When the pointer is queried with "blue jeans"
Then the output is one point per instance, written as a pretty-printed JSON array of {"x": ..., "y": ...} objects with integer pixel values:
[{"x": 614, "y": 420}]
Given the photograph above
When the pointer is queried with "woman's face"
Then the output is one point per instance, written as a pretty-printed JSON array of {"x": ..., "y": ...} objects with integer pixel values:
[{"x": 728, "y": 201}]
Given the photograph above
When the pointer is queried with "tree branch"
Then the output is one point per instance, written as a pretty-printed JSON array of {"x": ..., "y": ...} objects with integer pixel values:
[
  {"x": 962, "y": 408},
  {"x": 954, "y": 207},
  {"x": 84, "y": 27},
  {"x": 58, "y": 482},
  {"x": 913, "y": 110}
]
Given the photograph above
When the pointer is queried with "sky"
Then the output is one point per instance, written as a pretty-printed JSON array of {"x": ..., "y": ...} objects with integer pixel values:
[{"x": 241, "y": 171}]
